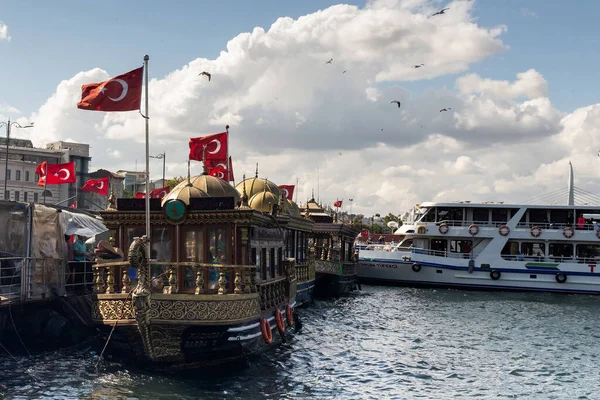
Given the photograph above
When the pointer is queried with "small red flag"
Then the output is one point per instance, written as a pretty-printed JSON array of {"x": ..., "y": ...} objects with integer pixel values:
[
  {"x": 74, "y": 205},
  {"x": 57, "y": 174},
  {"x": 337, "y": 203},
  {"x": 41, "y": 171},
  {"x": 99, "y": 186},
  {"x": 288, "y": 190},
  {"x": 215, "y": 145},
  {"x": 121, "y": 93},
  {"x": 215, "y": 167},
  {"x": 219, "y": 172},
  {"x": 139, "y": 195},
  {"x": 160, "y": 192}
]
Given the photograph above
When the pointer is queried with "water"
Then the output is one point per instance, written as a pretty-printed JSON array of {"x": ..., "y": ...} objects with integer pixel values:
[{"x": 383, "y": 342}]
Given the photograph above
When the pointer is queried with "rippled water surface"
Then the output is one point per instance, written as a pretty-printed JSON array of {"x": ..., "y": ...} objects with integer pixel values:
[{"x": 383, "y": 342}]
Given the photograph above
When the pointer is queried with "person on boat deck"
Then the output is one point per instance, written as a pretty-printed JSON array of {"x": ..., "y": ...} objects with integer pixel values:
[
  {"x": 380, "y": 240},
  {"x": 596, "y": 226},
  {"x": 520, "y": 256},
  {"x": 580, "y": 222}
]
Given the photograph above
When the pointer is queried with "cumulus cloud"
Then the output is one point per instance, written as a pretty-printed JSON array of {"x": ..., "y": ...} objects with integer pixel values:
[
  {"x": 293, "y": 113},
  {"x": 4, "y": 32}
]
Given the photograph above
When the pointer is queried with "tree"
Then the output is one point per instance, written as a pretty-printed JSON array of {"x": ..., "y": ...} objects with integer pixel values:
[
  {"x": 127, "y": 194},
  {"x": 171, "y": 183}
]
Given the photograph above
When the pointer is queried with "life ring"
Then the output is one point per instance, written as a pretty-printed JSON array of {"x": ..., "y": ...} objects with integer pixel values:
[
  {"x": 561, "y": 277},
  {"x": 495, "y": 274},
  {"x": 535, "y": 231},
  {"x": 279, "y": 322},
  {"x": 473, "y": 229},
  {"x": 443, "y": 228},
  {"x": 265, "y": 329},
  {"x": 504, "y": 230},
  {"x": 421, "y": 230},
  {"x": 289, "y": 315},
  {"x": 568, "y": 232},
  {"x": 416, "y": 267}
]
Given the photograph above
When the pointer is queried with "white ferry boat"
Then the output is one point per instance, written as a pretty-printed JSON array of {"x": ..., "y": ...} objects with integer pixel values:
[{"x": 553, "y": 248}]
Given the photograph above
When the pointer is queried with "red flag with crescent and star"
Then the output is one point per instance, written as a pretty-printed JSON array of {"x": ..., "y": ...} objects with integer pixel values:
[
  {"x": 41, "y": 171},
  {"x": 215, "y": 145},
  {"x": 218, "y": 168},
  {"x": 337, "y": 203},
  {"x": 288, "y": 190},
  {"x": 121, "y": 93},
  {"x": 160, "y": 192},
  {"x": 99, "y": 186},
  {"x": 139, "y": 195},
  {"x": 57, "y": 174}
]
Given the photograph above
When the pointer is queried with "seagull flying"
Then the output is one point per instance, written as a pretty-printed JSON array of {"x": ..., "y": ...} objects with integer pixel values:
[
  {"x": 205, "y": 73},
  {"x": 340, "y": 154},
  {"x": 330, "y": 61},
  {"x": 440, "y": 12},
  {"x": 418, "y": 66},
  {"x": 445, "y": 109},
  {"x": 396, "y": 101},
  {"x": 344, "y": 71}
]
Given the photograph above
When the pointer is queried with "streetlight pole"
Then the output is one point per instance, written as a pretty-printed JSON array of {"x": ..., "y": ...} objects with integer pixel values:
[
  {"x": 162, "y": 156},
  {"x": 8, "y": 126},
  {"x": 351, "y": 218}
]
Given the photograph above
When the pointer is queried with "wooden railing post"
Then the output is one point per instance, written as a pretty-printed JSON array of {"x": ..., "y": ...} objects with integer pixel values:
[
  {"x": 125, "y": 280},
  {"x": 237, "y": 281},
  {"x": 222, "y": 282},
  {"x": 110, "y": 281},
  {"x": 199, "y": 280},
  {"x": 99, "y": 284}
]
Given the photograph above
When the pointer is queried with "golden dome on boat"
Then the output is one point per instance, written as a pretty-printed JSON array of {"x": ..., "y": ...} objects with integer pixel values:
[
  {"x": 263, "y": 201},
  {"x": 256, "y": 186},
  {"x": 215, "y": 187},
  {"x": 184, "y": 191}
]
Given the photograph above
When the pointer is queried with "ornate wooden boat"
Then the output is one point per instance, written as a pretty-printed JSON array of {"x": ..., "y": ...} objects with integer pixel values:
[
  {"x": 216, "y": 287},
  {"x": 331, "y": 252}
]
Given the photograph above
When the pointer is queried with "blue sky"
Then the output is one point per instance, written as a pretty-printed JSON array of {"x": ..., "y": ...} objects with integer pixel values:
[{"x": 53, "y": 41}]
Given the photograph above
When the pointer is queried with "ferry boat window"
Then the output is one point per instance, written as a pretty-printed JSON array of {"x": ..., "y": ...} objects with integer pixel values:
[
  {"x": 560, "y": 250},
  {"x": 460, "y": 246},
  {"x": 559, "y": 217},
  {"x": 588, "y": 252},
  {"x": 537, "y": 215},
  {"x": 534, "y": 249},
  {"x": 429, "y": 215},
  {"x": 406, "y": 243},
  {"x": 194, "y": 252},
  {"x": 439, "y": 245},
  {"x": 217, "y": 254},
  {"x": 481, "y": 215},
  {"x": 160, "y": 250},
  {"x": 499, "y": 215},
  {"x": 456, "y": 214},
  {"x": 289, "y": 244},
  {"x": 510, "y": 251},
  {"x": 443, "y": 214},
  {"x": 513, "y": 212}
]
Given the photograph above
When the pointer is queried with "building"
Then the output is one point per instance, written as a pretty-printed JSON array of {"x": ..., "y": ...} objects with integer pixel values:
[
  {"x": 22, "y": 180},
  {"x": 135, "y": 182},
  {"x": 98, "y": 201}
]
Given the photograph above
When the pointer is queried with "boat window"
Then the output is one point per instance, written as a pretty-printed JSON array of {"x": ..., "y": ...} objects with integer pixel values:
[
  {"x": 499, "y": 215},
  {"x": 289, "y": 244},
  {"x": 456, "y": 214},
  {"x": 161, "y": 244},
  {"x": 429, "y": 215},
  {"x": 461, "y": 246},
  {"x": 272, "y": 267},
  {"x": 264, "y": 263},
  {"x": 443, "y": 214},
  {"x": 278, "y": 261},
  {"x": 510, "y": 248},
  {"x": 217, "y": 254},
  {"x": 537, "y": 249},
  {"x": 194, "y": 252},
  {"x": 513, "y": 212},
  {"x": 560, "y": 250},
  {"x": 537, "y": 215},
  {"x": 439, "y": 245},
  {"x": 481, "y": 215},
  {"x": 258, "y": 262},
  {"x": 588, "y": 252},
  {"x": 559, "y": 216}
]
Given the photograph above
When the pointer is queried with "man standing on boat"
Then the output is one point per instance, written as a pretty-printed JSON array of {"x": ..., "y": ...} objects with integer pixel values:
[{"x": 79, "y": 264}]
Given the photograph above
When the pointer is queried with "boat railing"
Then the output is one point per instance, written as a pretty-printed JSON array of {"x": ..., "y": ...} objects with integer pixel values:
[
  {"x": 305, "y": 271},
  {"x": 556, "y": 259},
  {"x": 272, "y": 292},
  {"x": 222, "y": 279},
  {"x": 558, "y": 226},
  {"x": 80, "y": 278},
  {"x": 11, "y": 283}
]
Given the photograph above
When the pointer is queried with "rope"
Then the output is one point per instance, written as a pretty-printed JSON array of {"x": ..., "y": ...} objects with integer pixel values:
[{"x": 31, "y": 374}]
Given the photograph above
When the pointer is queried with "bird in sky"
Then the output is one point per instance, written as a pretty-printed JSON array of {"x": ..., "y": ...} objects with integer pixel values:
[
  {"x": 330, "y": 61},
  {"x": 205, "y": 73},
  {"x": 381, "y": 129},
  {"x": 344, "y": 71},
  {"x": 418, "y": 66},
  {"x": 340, "y": 154},
  {"x": 440, "y": 12},
  {"x": 395, "y": 101},
  {"x": 445, "y": 109}
]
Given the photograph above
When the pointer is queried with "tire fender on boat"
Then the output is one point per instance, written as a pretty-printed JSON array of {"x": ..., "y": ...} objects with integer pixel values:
[
  {"x": 495, "y": 274},
  {"x": 289, "y": 315},
  {"x": 416, "y": 267},
  {"x": 265, "y": 329},
  {"x": 561, "y": 277},
  {"x": 279, "y": 322}
]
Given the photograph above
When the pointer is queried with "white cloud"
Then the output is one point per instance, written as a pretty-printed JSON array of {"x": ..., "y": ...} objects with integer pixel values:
[
  {"x": 5, "y": 108},
  {"x": 293, "y": 113},
  {"x": 4, "y": 32}
]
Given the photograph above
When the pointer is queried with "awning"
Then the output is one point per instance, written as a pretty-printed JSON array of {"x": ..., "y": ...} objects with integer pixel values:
[{"x": 81, "y": 224}]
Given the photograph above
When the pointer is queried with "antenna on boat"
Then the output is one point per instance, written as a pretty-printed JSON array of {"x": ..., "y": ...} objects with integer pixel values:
[
  {"x": 204, "y": 168},
  {"x": 571, "y": 198},
  {"x": 318, "y": 190},
  {"x": 256, "y": 173},
  {"x": 244, "y": 194},
  {"x": 189, "y": 181}
]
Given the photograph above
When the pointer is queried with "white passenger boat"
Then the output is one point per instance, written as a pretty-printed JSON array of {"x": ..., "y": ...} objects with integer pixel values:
[{"x": 553, "y": 248}]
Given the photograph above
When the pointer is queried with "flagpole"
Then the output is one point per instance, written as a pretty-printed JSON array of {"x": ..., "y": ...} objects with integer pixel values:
[
  {"x": 227, "y": 157},
  {"x": 296, "y": 190},
  {"x": 45, "y": 181},
  {"x": 147, "y": 198}
]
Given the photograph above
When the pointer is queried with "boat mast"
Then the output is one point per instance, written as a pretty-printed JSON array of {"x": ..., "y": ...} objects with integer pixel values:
[{"x": 571, "y": 199}]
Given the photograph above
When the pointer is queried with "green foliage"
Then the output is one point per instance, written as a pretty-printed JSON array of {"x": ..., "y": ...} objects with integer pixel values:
[
  {"x": 127, "y": 194},
  {"x": 171, "y": 183}
]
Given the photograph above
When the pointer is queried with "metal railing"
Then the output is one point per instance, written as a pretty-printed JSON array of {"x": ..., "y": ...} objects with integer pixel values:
[
  {"x": 11, "y": 282},
  {"x": 557, "y": 259},
  {"x": 528, "y": 225},
  {"x": 417, "y": 250},
  {"x": 164, "y": 277},
  {"x": 80, "y": 278}
]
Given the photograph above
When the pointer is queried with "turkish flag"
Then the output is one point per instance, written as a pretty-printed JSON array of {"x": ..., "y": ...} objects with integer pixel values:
[
  {"x": 139, "y": 195},
  {"x": 288, "y": 190},
  {"x": 364, "y": 233},
  {"x": 57, "y": 174},
  {"x": 74, "y": 205},
  {"x": 99, "y": 186},
  {"x": 41, "y": 171},
  {"x": 218, "y": 166},
  {"x": 337, "y": 203},
  {"x": 121, "y": 93},
  {"x": 215, "y": 145},
  {"x": 160, "y": 192}
]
